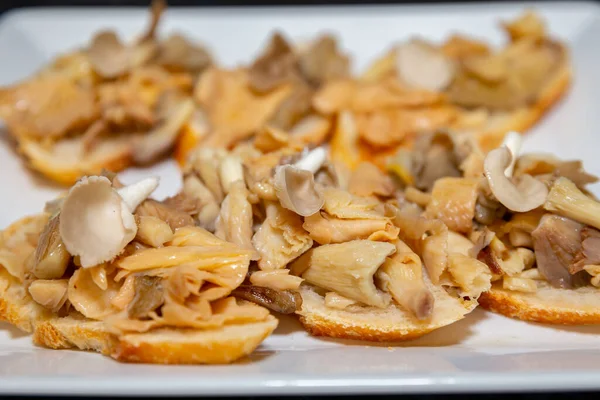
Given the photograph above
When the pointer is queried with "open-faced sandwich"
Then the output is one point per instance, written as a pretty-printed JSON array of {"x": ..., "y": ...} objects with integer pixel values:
[
  {"x": 108, "y": 105},
  {"x": 462, "y": 84},
  {"x": 111, "y": 105},
  {"x": 107, "y": 269}
]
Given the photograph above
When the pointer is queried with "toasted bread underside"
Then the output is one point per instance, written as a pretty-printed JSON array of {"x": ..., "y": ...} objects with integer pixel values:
[
  {"x": 376, "y": 324},
  {"x": 163, "y": 346},
  {"x": 65, "y": 161},
  {"x": 550, "y": 305}
]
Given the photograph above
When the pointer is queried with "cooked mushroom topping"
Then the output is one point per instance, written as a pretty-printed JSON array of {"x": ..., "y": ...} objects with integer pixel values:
[
  {"x": 590, "y": 250},
  {"x": 162, "y": 138},
  {"x": 184, "y": 202},
  {"x": 348, "y": 269},
  {"x": 556, "y": 242},
  {"x": 149, "y": 295},
  {"x": 275, "y": 66},
  {"x": 97, "y": 222},
  {"x": 323, "y": 61},
  {"x": 421, "y": 65},
  {"x": 401, "y": 275},
  {"x": 153, "y": 231},
  {"x": 520, "y": 194},
  {"x": 295, "y": 184},
  {"x": 567, "y": 200},
  {"x": 368, "y": 180},
  {"x": 109, "y": 57},
  {"x": 178, "y": 54},
  {"x": 453, "y": 201},
  {"x": 434, "y": 158},
  {"x": 51, "y": 294},
  {"x": 51, "y": 256},
  {"x": 172, "y": 216},
  {"x": 281, "y": 301}
]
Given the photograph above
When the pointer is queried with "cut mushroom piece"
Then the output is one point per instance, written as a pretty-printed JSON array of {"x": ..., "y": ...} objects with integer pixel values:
[
  {"x": 421, "y": 65},
  {"x": 51, "y": 294},
  {"x": 108, "y": 56},
  {"x": 348, "y": 269},
  {"x": 401, "y": 275},
  {"x": 149, "y": 295},
  {"x": 556, "y": 241},
  {"x": 97, "y": 222},
  {"x": 281, "y": 301},
  {"x": 51, "y": 256},
  {"x": 158, "y": 141},
  {"x": 523, "y": 195},
  {"x": 296, "y": 190},
  {"x": 567, "y": 200}
]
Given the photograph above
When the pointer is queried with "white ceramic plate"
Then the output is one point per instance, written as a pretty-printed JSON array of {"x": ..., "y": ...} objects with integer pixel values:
[{"x": 484, "y": 352}]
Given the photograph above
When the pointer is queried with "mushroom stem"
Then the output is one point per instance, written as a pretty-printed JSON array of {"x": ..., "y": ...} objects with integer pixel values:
[
  {"x": 513, "y": 142},
  {"x": 313, "y": 160},
  {"x": 134, "y": 194},
  {"x": 567, "y": 200}
]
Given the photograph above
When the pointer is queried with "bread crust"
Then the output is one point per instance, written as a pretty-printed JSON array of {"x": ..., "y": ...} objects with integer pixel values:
[
  {"x": 529, "y": 307},
  {"x": 378, "y": 325}
]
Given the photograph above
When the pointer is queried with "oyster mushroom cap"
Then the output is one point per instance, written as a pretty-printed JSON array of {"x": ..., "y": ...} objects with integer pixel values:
[
  {"x": 421, "y": 65},
  {"x": 524, "y": 195},
  {"x": 296, "y": 190},
  {"x": 97, "y": 221},
  {"x": 108, "y": 56}
]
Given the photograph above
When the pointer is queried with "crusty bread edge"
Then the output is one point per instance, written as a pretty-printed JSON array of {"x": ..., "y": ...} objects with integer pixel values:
[{"x": 509, "y": 304}]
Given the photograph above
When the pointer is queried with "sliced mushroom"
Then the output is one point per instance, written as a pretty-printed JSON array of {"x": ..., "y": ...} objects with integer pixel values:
[
  {"x": 162, "y": 138},
  {"x": 348, "y": 269},
  {"x": 149, "y": 295},
  {"x": 175, "y": 218},
  {"x": 51, "y": 294},
  {"x": 421, "y": 65},
  {"x": 590, "y": 250},
  {"x": 567, "y": 200},
  {"x": 295, "y": 184},
  {"x": 51, "y": 256},
  {"x": 275, "y": 66},
  {"x": 368, "y": 180},
  {"x": 556, "y": 242},
  {"x": 281, "y": 301},
  {"x": 97, "y": 222},
  {"x": 523, "y": 195},
  {"x": 178, "y": 54},
  {"x": 108, "y": 56},
  {"x": 323, "y": 61},
  {"x": 401, "y": 275}
]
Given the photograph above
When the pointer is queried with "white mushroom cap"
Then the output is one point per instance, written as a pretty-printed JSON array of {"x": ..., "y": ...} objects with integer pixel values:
[
  {"x": 97, "y": 221},
  {"x": 525, "y": 195}
]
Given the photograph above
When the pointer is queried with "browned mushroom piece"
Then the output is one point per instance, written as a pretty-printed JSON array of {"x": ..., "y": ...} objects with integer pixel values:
[
  {"x": 556, "y": 241},
  {"x": 275, "y": 66},
  {"x": 281, "y": 301},
  {"x": 149, "y": 295},
  {"x": 172, "y": 216},
  {"x": 177, "y": 53},
  {"x": 51, "y": 256},
  {"x": 323, "y": 61}
]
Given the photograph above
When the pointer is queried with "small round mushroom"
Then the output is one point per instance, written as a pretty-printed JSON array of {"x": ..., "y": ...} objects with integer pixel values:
[
  {"x": 97, "y": 222},
  {"x": 421, "y": 65},
  {"x": 524, "y": 195}
]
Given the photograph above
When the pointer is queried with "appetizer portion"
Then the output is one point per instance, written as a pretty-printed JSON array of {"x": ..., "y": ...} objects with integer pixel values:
[
  {"x": 108, "y": 105},
  {"x": 530, "y": 217},
  {"x": 113, "y": 104},
  {"x": 107, "y": 269}
]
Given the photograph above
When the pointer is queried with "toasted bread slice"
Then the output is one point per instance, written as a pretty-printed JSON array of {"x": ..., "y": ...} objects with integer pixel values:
[
  {"x": 162, "y": 346},
  {"x": 66, "y": 161},
  {"x": 376, "y": 324},
  {"x": 549, "y": 305}
]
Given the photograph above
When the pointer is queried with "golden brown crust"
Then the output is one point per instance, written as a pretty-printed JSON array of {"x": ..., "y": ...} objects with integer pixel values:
[
  {"x": 218, "y": 346},
  {"x": 515, "y": 305},
  {"x": 318, "y": 326}
]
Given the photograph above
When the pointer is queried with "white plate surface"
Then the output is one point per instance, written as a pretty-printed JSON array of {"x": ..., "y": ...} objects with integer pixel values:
[{"x": 484, "y": 352}]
